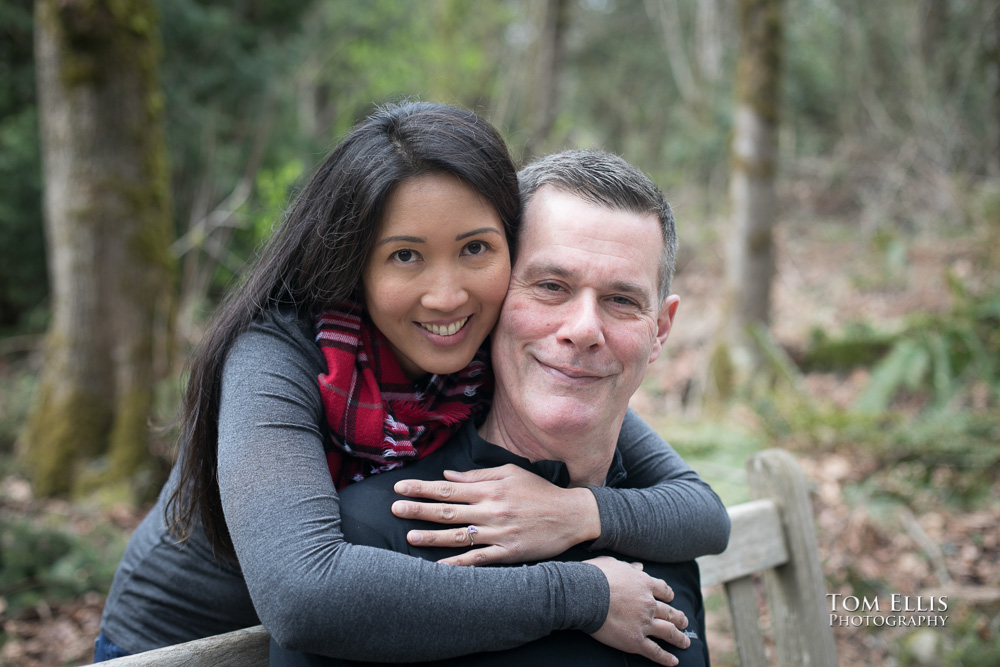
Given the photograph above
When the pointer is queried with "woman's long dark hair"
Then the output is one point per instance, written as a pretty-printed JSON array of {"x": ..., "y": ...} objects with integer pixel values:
[{"x": 316, "y": 257}]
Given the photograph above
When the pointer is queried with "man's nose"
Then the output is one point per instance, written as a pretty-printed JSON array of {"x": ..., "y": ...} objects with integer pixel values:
[
  {"x": 445, "y": 290},
  {"x": 581, "y": 324}
]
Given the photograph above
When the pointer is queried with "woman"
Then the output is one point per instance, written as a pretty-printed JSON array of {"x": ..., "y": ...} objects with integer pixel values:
[{"x": 253, "y": 497}]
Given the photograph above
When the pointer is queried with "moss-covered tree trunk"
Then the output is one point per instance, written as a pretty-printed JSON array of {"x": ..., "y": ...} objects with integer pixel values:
[
  {"x": 107, "y": 224},
  {"x": 750, "y": 258}
]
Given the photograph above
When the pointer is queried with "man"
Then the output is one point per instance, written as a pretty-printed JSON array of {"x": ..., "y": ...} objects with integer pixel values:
[{"x": 588, "y": 309}]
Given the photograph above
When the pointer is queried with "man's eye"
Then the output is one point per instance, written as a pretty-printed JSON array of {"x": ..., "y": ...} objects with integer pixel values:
[
  {"x": 551, "y": 287},
  {"x": 405, "y": 256},
  {"x": 622, "y": 301}
]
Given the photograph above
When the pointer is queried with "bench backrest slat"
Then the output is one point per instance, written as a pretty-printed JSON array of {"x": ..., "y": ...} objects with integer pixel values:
[
  {"x": 741, "y": 595},
  {"x": 756, "y": 543}
]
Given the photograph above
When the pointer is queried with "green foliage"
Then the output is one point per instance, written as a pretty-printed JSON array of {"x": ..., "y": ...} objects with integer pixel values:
[
  {"x": 930, "y": 410},
  {"x": 272, "y": 189},
  {"x": 718, "y": 451},
  {"x": 16, "y": 391},
  {"x": 23, "y": 277},
  {"x": 52, "y": 563},
  {"x": 860, "y": 344},
  {"x": 976, "y": 641},
  {"x": 947, "y": 356}
]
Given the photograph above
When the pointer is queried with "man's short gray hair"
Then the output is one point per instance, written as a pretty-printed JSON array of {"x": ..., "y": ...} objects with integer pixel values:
[{"x": 605, "y": 179}]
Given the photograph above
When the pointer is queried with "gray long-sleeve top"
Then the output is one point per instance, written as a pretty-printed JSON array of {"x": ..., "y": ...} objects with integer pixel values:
[{"x": 315, "y": 592}]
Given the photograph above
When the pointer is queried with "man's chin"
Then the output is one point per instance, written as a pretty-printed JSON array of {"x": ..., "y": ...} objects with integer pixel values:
[{"x": 571, "y": 416}]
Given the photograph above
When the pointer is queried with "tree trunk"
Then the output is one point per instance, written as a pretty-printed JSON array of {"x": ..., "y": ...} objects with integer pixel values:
[
  {"x": 548, "y": 65},
  {"x": 750, "y": 261},
  {"x": 107, "y": 224},
  {"x": 993, "y": 57}
]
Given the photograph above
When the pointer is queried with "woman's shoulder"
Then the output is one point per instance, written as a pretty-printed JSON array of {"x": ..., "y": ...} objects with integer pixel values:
[{"x": 277, "y": 338}]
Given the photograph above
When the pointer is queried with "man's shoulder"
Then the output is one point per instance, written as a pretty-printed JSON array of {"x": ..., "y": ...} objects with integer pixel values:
[{"x": 366, "y": 506}]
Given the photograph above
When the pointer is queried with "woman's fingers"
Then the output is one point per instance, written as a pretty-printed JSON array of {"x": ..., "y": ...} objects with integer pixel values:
[
  {"x": 456, "y": 492},
  {"x": 531, "y": 518},
  {"x": 484, "y": 556},
  {"x": 452, "y": 537},
  {"x": 480, "y": 474},
  {"x": 435, "y": 512}
]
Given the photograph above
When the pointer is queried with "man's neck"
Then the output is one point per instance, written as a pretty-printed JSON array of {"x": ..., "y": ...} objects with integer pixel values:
[{"x": 587, "y": 453}]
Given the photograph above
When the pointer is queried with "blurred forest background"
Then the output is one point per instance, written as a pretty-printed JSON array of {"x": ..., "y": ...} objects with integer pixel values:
[{"x": 848, "y": 150}]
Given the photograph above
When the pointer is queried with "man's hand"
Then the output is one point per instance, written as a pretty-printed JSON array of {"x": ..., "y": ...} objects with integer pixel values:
[
  {"x": 518, "y": 515},
  {"x": 639, "y": 612}
]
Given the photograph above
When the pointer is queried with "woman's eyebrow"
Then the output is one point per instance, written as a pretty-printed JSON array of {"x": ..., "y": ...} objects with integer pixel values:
[
  {"x": 404, "y": 239},
  {"x": 474, "y": 232}
]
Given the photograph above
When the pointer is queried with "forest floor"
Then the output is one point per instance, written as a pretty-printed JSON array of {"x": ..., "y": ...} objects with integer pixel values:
[{"x": 919, "y": 542}]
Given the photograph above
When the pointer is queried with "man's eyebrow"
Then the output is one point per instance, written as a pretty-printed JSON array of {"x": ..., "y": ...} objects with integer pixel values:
[
  {"x": 635, "y": 290},
  {"x": 404, "y": 239},
  {"x": 536, "y": 271},
  {"x": 475, "y": 232}
]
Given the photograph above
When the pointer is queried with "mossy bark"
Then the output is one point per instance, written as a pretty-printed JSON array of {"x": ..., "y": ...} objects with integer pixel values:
[
  {"x": 108, "y": 231},
  {"x": 750, "y": 260}
]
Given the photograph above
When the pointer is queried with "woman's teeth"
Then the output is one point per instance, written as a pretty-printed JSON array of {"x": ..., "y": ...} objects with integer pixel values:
[{"x": 449, "y": 330}]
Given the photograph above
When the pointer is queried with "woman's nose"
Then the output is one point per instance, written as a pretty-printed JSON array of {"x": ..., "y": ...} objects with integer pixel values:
[{"x": 445, "y": 291}]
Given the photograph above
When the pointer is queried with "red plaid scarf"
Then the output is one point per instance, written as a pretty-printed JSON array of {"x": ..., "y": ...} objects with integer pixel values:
[{"x": 378, "y": 418}]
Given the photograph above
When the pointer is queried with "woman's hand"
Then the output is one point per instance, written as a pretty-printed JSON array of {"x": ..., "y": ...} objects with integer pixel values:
[
  {"x": 519, "y": 516},
  {"x": 639, "y": 613}
]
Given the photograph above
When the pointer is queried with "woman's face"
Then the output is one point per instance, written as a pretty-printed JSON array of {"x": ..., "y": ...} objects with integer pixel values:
[{"x": 437, "y": 274}]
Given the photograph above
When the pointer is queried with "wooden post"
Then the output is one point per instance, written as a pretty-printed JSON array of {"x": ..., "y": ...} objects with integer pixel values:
[{"x": 796, "y": 591}]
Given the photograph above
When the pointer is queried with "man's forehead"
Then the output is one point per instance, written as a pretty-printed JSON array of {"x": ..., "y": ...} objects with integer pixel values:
[
  {"x": 553, "y": 211},
  {"x": 553, "y": 204},
  {"x": 563, "y": 232}
]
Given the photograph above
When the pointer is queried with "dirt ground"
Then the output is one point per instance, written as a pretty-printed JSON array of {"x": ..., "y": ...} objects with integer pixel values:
[{"x": 828, "y": 274}]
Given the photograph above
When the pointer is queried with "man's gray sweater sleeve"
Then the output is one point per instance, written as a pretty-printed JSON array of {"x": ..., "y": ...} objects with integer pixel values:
[
  {"x": 670, "y": 514},
  {"x": 315, "y": 592}
]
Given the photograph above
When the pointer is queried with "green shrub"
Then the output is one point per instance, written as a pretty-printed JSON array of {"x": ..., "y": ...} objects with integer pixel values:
[{"x": 53, "y": 564}]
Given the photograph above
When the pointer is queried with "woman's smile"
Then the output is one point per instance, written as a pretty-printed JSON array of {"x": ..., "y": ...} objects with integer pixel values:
[{"x": 446, "y": 330}]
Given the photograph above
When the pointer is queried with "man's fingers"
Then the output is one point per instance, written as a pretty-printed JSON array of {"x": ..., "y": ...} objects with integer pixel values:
[
  {"x": 662, "y": 591},
  {"x": 657, "y": 653},
  {"x": 669, "y": 633},
  {"x": 668, "y": 613}
]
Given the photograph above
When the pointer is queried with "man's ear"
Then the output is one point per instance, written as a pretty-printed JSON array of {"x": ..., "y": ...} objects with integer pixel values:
[{"x": 664, "y": 322}]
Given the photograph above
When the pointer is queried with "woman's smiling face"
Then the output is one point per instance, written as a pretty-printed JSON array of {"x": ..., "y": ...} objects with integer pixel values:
[{"x": 438, "y": 273}]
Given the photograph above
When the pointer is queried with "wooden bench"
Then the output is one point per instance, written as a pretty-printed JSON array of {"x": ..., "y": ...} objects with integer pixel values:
[{"x": 773, "y": 534}]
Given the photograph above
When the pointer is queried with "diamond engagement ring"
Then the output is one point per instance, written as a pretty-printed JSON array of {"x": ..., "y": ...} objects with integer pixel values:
[{"x": 472, "y": 535}]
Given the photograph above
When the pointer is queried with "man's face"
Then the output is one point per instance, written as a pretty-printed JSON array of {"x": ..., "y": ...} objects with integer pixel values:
[{"x": 582, "y": 319}]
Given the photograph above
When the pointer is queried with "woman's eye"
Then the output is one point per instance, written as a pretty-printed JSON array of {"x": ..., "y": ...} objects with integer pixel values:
[
  {"x": 476, "y": 248},
  {"x": 405, "y": 256}
]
